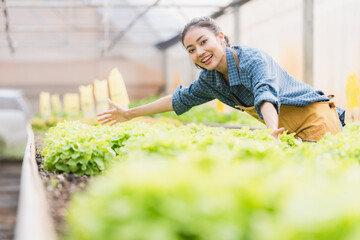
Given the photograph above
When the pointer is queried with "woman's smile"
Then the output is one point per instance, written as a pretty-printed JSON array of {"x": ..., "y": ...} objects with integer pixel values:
[{"x": 207, "y": 60}]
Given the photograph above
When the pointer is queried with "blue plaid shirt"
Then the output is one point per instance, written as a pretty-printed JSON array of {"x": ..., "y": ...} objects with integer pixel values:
[{"x": 259, "y": 79}]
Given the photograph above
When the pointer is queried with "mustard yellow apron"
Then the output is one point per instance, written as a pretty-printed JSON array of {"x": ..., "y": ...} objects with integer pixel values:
[{"x": 309, "y": 123}]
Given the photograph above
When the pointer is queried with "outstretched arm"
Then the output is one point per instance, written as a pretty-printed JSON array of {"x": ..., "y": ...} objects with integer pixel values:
[
  {"x": 121, "y": 114},
  {"x": 271, "y": 119}
]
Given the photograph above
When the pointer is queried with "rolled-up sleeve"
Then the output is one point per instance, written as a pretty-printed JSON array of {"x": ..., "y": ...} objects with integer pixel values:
[
  {"x": 265, "y": 85},
  {"x": 184, "y": 98}
]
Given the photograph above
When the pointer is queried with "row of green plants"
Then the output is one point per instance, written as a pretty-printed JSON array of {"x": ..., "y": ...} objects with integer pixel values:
[
  {"x": 166, "y": 182},
  {"x": 79, "y": 148},
  {"x": 73, "y": 146}
]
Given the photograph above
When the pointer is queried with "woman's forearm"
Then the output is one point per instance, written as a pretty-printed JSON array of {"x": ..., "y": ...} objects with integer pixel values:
[
  {"x": 270, "y": 115},
  {"x": 161, "y": 105}
]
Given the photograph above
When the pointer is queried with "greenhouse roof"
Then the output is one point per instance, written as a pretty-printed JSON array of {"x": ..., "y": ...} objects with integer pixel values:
[{"x": 99, "y": 26}]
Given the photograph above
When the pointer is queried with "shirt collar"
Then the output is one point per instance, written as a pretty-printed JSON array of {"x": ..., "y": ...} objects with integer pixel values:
[
  {"x": 220, "y": 82},
  {"x": 232, "y": 68}
]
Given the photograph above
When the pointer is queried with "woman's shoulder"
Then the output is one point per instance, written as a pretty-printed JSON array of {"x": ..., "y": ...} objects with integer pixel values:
[
  {"x": 249, "y": 55},
  {"x": 248, "y": 52}
]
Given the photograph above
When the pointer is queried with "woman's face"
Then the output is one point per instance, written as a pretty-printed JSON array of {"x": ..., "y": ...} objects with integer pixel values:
[{"x": 206, "y": 49}]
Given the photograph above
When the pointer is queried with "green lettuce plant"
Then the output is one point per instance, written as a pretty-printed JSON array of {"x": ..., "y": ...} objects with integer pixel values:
[
  {"x": 79, "y": 148},
  {"x": 194, "y": 182}
]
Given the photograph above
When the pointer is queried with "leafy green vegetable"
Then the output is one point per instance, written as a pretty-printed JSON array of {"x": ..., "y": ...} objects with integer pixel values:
[
  {"x": 195, "y": 182},
  {"x": 83, "y": 149}
]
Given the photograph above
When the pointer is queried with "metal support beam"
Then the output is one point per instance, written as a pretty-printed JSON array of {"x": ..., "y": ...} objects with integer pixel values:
[
  {"x": 62, "y": 44},
  {"x": 7, "y": 26},
  {"x": 76, "y": 29},
  {"x": 236, "y": 25},
  {"x": 147, "y": 22},
  {"x": 129, "y": 26},
  {"x": 80, "y": 4},
  {"x": 175, "y": 39},
  {"x": 308, "y": 41},
  {"x": 222, "y": 10}
]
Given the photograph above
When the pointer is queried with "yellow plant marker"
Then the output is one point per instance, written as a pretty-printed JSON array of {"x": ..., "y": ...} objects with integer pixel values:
[
  {"x": 352, "y": 92},
  {"x": 220, "y": 106},
  {"x": 101, "y": 95},
  {"x": 87, "y": 100},
  {"x": 56, "y": 104},
  {"x": 72, "y": 104},
  {"x": 118, "y": 90},
  {"x": 45, "y": 108}
]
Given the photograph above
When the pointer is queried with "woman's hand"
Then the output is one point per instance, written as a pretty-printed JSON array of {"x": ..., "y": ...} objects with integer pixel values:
[
  {"x": 271, "y": 119},
  {"x": 115, "y": 115},
  {"x": 120, "y": 114},
  {"x": 276, "y": 133}
]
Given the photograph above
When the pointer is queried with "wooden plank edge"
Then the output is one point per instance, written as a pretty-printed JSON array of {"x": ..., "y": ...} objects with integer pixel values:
[{"x": 34, "y": 220}]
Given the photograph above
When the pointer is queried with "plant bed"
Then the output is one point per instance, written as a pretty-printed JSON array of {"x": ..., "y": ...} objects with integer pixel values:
[
  {"x": 59, "y": 187},
  {"x": 33, "y": 216},
  {"x": 44, "y": 195},
  {"x": 171, "y": 180}
]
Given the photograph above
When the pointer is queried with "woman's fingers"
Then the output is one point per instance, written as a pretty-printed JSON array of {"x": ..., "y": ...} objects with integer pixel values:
[
  {"x": 106, "y": 112},
  {"x": 106, "y": 120},
  {"x": 112, "y": 116},
  {"x": 280, "y": 130},
  {"x": 109, "y": 115},
  {"x": 276, "y": 133},
  {"x": 113, "y": 122},
  {"x": 102, "y": 118}
]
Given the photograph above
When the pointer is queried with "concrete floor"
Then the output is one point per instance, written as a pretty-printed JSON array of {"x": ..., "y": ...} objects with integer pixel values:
[{"x": 10, "y": 172}]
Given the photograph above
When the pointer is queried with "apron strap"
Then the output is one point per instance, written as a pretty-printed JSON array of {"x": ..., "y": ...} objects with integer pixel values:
[
  {"x": 236, "y": 59},
  {"x": 234, "y": 97}
]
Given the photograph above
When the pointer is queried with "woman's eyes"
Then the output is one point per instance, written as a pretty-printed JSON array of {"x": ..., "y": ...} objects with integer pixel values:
[{"x": 191, "y": 50}]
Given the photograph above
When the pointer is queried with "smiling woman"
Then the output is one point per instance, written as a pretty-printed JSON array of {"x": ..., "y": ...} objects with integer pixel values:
[{"x": 244, "y": 78}]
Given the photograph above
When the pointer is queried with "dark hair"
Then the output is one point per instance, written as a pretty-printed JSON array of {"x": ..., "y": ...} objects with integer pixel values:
[{"x": 206, "y": 22}]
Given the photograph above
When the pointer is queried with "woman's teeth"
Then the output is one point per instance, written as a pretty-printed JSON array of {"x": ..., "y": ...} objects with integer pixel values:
[{"x": 204, "y": 60}]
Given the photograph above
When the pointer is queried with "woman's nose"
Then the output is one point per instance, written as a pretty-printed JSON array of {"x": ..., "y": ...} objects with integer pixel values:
[{"x": 200, "y": 51}]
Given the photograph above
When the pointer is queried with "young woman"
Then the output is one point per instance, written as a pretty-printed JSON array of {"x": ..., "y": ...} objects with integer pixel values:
[{"x": 244, "y": 78}]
